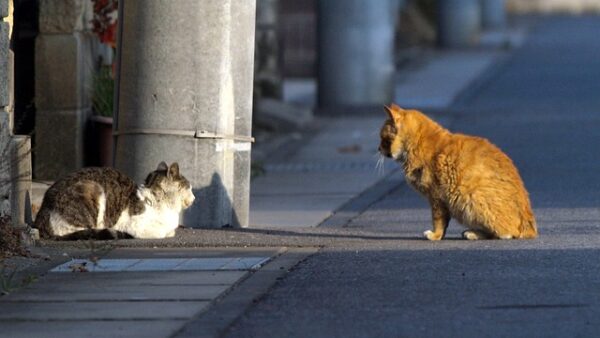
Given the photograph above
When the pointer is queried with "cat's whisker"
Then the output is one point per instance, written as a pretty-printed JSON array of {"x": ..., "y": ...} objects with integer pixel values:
[{"x": 379, "y": 165}]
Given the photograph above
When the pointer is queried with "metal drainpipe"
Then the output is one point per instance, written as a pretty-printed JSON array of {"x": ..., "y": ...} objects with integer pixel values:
[{"x": 185, "y": 77}]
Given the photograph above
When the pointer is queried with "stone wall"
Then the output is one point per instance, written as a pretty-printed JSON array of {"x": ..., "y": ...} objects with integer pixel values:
[
  {"x": 5, "y": 117},
  {"x": 64, "y": 70},
  {"x": 15, "y": 150}
]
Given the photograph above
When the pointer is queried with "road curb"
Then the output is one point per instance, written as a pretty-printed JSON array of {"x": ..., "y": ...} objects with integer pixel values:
[
  {"x": 357, "y": 205},
  {"x": 228, "y": 308}
]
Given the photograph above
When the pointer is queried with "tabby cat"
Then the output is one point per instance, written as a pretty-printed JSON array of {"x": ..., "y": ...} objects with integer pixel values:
[
  {"x": 103, "y": 202},
  {"x": 461, "y": 176}
]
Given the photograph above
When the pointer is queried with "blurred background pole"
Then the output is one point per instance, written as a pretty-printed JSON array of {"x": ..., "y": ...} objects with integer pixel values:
[
  {"x": 459, "y": 22},
  {"x": 493, "y": 14},
  {"x": 355, "y": 51},
  {"x": 184, "y": 93}
]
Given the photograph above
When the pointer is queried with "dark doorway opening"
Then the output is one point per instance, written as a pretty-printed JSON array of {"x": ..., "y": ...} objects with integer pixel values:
[{"x": 25, "y": 30}]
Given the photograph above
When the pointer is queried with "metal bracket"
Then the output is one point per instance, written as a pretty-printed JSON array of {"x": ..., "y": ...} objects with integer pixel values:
[{"x": 187, "y": 133}]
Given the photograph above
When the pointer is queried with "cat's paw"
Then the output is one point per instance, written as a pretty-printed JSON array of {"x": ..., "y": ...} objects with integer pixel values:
[
  {"x": 473, "y": 235},
  {"x": 432, "y": 236},
  {"x": 470, "y": 235}
]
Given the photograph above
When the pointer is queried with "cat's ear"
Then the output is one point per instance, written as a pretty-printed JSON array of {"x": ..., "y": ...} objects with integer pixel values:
[
  {"x": 397, "y": 108},
  {"x": 162, "y": 166},
  {"x": 174, "y": 170},
  {"x": 393, "y": 111}
]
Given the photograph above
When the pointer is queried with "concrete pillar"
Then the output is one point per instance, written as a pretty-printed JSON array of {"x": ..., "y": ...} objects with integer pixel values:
[
  {"x": 459, "y": 22},
  {"x": 355, "y": 51},
  {"x": 185, "y": 77},
  {"x": 64, "y": 67},
  {"x": 20, "y": 202},
  {"x": 268, "y": 79},
  {"x": 493, "y": 14}
]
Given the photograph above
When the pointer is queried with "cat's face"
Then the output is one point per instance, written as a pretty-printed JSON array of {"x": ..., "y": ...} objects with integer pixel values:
[
  {"x": 171, "y": 182},
  {"x": 391, "y": 137}
]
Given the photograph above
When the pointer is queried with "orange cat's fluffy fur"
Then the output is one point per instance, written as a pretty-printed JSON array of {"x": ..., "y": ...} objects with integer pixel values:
[{"x": 462, "y": 176}]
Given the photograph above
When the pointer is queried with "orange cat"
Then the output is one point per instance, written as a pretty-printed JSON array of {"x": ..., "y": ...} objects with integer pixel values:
[{"x": 462, "y": 176}]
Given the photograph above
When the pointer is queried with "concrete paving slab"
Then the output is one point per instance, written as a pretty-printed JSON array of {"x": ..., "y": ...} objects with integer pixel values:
[
  {"x": 196, "y": 252},
  {"x": 245, "y": 263},
  {"x": 293, "y": 211},
  {"x": 441, "y": 79},
  {"x": 91, "y": 329},
  {"x": 152, "y": 264},
  {"x": 99, "y": 266},
  {"x": 360, "y": 133},
  {"x": 108, "y": 292},
  {"x": 173, "y": 278},
  {"x": 57, "y": 311},
  {"x": 204, "y": 264},
  {"x": 314, "y": 183},
  {"x": 300, "y": 91},
  {"x": 156, "y": 264}
]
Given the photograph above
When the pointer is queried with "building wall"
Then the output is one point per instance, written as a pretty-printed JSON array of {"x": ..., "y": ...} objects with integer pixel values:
[
  {"x": 5, "y": 118},
  {"x": 5, "y": 57},
  {"x": 64, "y": 67}
]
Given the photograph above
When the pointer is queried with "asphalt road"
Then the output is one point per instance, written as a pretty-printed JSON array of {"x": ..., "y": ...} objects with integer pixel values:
[{"x": 542, "y": 107}]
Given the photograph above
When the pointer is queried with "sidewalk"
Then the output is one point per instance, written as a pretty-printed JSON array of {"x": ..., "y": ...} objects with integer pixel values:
[
  {"x": 141, "y": 292},
  {"x": 157, "y": 292}
]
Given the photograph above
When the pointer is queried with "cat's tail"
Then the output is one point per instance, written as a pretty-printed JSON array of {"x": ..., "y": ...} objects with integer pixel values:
[{"x": 528, "y": 228}]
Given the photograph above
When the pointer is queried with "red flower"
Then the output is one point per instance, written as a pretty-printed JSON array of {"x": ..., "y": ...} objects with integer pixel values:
[{"x": 104, "y": 23}]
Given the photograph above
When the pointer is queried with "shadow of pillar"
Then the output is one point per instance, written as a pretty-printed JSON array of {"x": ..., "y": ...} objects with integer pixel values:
[{"x": 218, "y": 211}]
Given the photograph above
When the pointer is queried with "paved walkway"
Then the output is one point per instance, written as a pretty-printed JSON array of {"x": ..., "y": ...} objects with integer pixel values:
[{"x": 142, "y": 293}]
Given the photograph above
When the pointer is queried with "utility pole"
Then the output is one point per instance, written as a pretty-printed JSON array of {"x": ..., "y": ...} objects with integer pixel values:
[
  {"x": 459, "y": 22},
  {"x": 184, "y": 94},
  {"x": 356, "y": 52},
  {"x": 493, "y": 14}
]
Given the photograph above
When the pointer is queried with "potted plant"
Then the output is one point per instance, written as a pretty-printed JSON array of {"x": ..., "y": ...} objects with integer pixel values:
[
  {"x": 104, "y": 25},
  {"x": 102, "y": 117}
]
